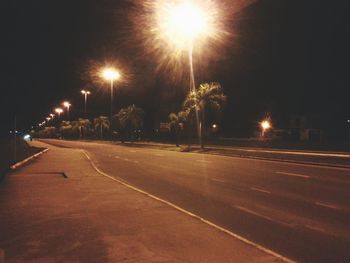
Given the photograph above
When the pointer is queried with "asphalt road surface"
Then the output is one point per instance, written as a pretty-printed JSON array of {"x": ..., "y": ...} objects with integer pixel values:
[{"x": 299, "y": 211}]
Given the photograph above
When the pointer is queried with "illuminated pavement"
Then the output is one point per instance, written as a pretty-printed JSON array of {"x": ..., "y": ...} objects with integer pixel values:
[
  {"x": 58, "y": 208},
  {"x": 299, "y": 211}
]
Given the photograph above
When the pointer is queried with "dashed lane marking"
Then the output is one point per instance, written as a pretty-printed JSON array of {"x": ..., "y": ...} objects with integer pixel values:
[
  {"x": 122, "y": 182},
  {"x": 260, "y": 190},
  {"x": 204, "y": 161},
  {"x": 294, "y": 174},
  {"x": 217, "y": 180},
  {"x": 327, "y": 205}
]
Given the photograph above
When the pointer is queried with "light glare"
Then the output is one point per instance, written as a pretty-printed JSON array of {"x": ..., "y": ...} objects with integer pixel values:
[{"x": 110, "y": 74}]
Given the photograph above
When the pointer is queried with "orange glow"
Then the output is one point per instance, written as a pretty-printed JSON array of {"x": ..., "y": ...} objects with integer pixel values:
[
  {"x": 66, "y": 104},
  {"x": 58, "y": 111},
  {"x": 265, "y": 125}
]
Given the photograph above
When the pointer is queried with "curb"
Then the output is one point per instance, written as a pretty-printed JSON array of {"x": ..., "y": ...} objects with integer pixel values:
[{"x": 16, "y": 165}]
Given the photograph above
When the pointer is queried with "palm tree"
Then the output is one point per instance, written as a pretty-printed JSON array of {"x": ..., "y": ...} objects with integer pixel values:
[
  {"x": 176, "y": 124},
  {"x": 82, "y": 125},
  {"x": 101, "y": 123},
  {"x": 66, "y": 129},
  {"x": 130, "y": 119},
  {"x": 207, "y": 95}
]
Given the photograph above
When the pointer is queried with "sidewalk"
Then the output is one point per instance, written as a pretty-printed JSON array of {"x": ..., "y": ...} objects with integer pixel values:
[{"x": 59, "y": 209}]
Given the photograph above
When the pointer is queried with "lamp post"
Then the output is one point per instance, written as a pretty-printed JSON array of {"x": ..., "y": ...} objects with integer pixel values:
[
  {"x": 185, "y": 26},
  {"x": 67, "y": 105},
  {"x": 58, "y": 111},
  {"x": 265, "y": 125},
  {"x": 110, "y": 74},
  {"x": 85, "y": 93}
]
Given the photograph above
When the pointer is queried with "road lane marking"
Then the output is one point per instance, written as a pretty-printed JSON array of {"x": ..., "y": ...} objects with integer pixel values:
[
  {"x": 217, "y": 180},
  {"x": 327, "y": 205},
  {"x": 203, "y": 161},
  {"x": 315, "y": 228},
  {"x": 132, "y": 151},
  {"x": 247, "y": 210},
  {"x": 300, "y": 153},
  {"x": 260, "y": 190},
  {"x": 230, "y": 233},
  {"x": 158, "y": 154},
  {"x": 294, "y": 174},
  {"x": 116, "y": 157}
]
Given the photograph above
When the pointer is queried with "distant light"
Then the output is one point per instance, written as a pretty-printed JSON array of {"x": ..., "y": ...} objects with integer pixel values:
[
  {"x": 85, "y": 92},
  {"x": 348, "y": 121},
  {"x": 214, "y": 126},
  {"x": 58, "y": 110},
  {"x": 26, "y": 137},
  {"x": 265, "y": 125},
  {"x": 66, "y": 104}
]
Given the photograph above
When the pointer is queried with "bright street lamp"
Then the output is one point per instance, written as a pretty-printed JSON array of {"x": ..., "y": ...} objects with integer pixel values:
[
  {"x": 265, "y": 125},
  {"x": 67, "y": 105},
  {"x": 58, "y": 111},
  {"x": 110, "y": 74},
  {"x": 85, "y": 93},
  {"x": 185, "y": 25}
]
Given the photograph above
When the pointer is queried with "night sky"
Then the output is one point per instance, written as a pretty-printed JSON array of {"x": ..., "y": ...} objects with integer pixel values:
[{"x": 287, "y": 58}]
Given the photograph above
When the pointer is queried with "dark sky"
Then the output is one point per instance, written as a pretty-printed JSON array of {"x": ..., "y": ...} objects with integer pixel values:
[{"x": 287, "y": 58}]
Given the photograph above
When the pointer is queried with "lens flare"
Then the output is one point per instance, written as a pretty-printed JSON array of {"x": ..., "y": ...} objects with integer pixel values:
[{"x": 183, "y": 22}]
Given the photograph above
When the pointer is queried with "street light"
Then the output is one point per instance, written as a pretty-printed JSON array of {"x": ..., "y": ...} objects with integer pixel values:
[
  {"x": 110, "y": 74},
  {"x": 265, "y": 125},
  {"x": 85, "y": 93},
  {"x": 67, "y": 105},
  {"x": 185, "y": 25},
  {"x": 58, "y": 111}
]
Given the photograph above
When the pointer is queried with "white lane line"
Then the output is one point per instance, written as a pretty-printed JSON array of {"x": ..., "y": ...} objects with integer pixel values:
[
  {"x": 260, "y": 190},
  {"x": 120, "y": 158},
  {"x": 122, "y": 182},
  {"x": 217, "y": 180},
  {"x": 244, "y": 209},
  {"x": 135, "y": 161},
  {"x": 132, "y": 151},
  {"x": 203, "y": 161},
  {"x": 158, "y": 154},
  {"x": 294, "y": 174},
  {"x": 342, "y": 155},
  {"x": 327, "y": 205},
  {"x": 315, "y": 228}
]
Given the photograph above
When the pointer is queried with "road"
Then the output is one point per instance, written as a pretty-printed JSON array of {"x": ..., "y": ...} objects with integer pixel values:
[{"x": 297, "y": 210}]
